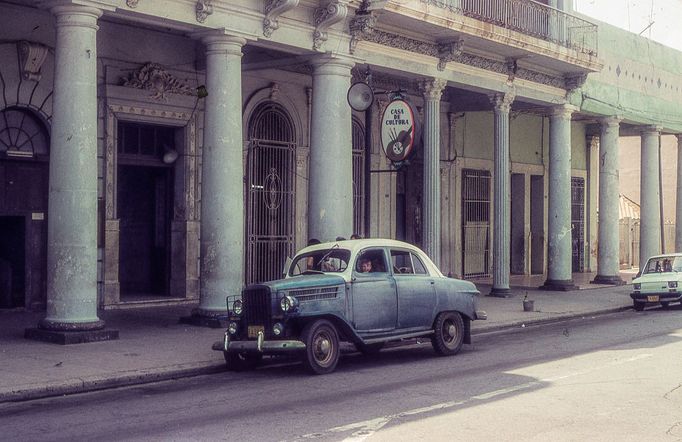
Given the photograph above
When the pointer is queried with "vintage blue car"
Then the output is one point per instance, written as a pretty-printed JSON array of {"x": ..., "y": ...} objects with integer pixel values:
[{"x": 367, "y": 292}]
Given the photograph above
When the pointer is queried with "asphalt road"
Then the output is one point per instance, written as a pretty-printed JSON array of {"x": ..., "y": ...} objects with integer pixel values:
[{"x": 617, "y": 377}]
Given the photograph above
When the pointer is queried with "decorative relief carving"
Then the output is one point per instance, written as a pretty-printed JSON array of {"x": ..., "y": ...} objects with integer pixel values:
[
  {"x": 274, "y": 91},
  {"x": 204, "y": 8},
  {"x": 154, "y": 78},
  {"x": 400, "y": 42},
  {"x": 575, "y": 81},
  {"x": 449, "y": 52},
  {"x": 132, "y": 3},
  {"x": 273, "y": 9},
  {"x": 512, "y": 68},
  {"x": 325, "y": 17},
  {"x": 432, "y": 49},
  {"x": 31, "y": 59},
  {"x": 360, "y": 26}
]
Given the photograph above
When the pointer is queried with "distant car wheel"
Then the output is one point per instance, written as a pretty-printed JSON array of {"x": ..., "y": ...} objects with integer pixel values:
[
  {"x": 638, "y": 306},
  {"x": 448, "y": 335},
  {"x": 322, "y": 347},
  {"x": 665, "y": 305},
  {"x": 242, "y": 361},
  {"x": 370, "y": 349}
]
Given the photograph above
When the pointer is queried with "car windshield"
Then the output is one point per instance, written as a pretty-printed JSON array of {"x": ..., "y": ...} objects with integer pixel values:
[
  {"x": 334, "y": 260},
  {"x": 664, "y": 264}
]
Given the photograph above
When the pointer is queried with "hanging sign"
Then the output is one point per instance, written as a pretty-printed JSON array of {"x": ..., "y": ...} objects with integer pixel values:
[{"x": 397, "y": 130}]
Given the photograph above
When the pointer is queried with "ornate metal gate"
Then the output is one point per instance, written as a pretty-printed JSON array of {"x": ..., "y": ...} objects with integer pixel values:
[
  {"x": 475, "y": 223},
  {"x": 358, "y": 178},
  {"x": 578, "y": 223},
  {"x": 271, "y": 166}
]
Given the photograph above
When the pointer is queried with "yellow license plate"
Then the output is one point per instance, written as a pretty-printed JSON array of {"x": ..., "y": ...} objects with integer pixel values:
[
  {"x": 652, "y": 298},
  {"x": 254, "y": 329}
]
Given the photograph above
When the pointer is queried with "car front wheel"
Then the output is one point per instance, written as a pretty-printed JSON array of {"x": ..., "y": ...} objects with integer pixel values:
[
  {"x": 448, "y": 335},
  {"x": 242, "y": 361},
  {"x": 321, "y": 347}
]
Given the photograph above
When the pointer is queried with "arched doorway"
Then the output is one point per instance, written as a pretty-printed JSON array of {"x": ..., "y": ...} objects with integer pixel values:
[
  {"x": 270, "y": 191},
  {"x": 24, "y": 158}
]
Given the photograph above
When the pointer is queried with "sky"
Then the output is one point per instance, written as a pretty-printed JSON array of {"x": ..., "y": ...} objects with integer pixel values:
[{"x": 665, "y": 17}]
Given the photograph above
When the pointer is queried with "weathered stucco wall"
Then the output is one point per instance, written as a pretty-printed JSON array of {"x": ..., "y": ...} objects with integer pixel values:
[{"x": 641, "y": 80}]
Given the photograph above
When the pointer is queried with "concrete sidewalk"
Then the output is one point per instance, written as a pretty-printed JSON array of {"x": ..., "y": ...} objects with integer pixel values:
[{"x": 154, "y": 346}]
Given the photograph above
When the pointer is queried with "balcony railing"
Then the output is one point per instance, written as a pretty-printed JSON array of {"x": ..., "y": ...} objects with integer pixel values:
[{"x": 529, "y": 17}]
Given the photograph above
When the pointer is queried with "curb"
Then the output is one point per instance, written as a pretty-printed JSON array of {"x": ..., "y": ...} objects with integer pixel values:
[
  {"x": 102, "y": 382},
  {"x": 88, "y": 384},
  {"x": 547, "y": 321}
]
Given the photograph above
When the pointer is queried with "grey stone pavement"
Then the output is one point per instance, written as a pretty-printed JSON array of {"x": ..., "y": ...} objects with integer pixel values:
[{"x": 154, "y": 346}]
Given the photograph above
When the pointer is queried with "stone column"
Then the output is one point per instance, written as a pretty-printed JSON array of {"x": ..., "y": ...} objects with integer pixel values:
[
  {"x": 432, "y": 90},
  {"x": 559, "y": 271},
  {"x": 330, "y": 211},
  {"x": 650, "y": 203},
  {"x": 678, "y": 202},
  {"x": 501, "y": 214},
  {"x": 222, "y": 196},
  {"x": 608, "y": 253},
  {"x": 72, "y": 198}
]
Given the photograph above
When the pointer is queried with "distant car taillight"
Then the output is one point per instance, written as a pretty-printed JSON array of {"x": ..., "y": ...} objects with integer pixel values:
[
  {"x": 637, "y": 286},
  {"x": 672, "y": 284}
]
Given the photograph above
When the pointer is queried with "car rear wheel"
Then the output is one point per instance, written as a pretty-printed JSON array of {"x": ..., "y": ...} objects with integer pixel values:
[
  {"x": 448, "y": 335},
  {"x": 322, "y": 347},
  {"x": 242, "y": 361},
  {"x": 638, "y": 306}
]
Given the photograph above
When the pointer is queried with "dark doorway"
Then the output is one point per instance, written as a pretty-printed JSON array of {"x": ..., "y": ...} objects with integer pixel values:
[
  {"x": 518, "y": 224},
  {"x": 537, "y": 224},
  {"x": 144, "y": 201},
  {"x": 578, "y": 223},
  {"x": 12, "y": 261}
]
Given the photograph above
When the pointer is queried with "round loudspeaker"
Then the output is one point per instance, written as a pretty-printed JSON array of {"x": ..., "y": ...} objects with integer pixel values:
[{"x": 360, "y": 96}]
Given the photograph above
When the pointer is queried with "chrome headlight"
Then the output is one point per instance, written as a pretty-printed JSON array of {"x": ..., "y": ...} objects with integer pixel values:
[
  {"x": 286, "y": 303},
  {"x": 672, "y": 284},
  {"x": 277, "y": 329},
  {"x": 232, "y": 328},
  {"x": 637, "y": 286},
  {"x": 237, "y": 307}
]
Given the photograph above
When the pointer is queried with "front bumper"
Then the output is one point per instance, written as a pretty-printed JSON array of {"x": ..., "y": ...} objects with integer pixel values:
[
  {"x": 258, "y": 346},
  {"x": 662, "y": 296}
]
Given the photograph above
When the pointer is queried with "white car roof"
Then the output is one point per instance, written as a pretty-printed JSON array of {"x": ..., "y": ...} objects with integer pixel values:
[
  {"x": 666, "y": 255},
  {"x": 354, "y": 245}
]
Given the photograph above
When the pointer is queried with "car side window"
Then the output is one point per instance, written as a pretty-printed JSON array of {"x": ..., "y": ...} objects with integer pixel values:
[
  {"x": 371, "y": 261},
  {"x": 419, "y": 267}
]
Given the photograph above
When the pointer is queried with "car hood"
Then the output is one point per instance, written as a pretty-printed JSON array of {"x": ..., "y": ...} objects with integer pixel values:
[{"x": 305, "y": 281}]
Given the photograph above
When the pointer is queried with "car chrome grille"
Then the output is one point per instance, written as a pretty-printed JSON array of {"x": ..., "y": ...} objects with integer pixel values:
[
  {"x": 315, "y": 294},
  {"x": 257, "y": 308}
]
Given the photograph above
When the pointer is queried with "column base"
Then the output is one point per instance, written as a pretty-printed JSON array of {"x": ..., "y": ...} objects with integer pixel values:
[
  {"x": 559, "y": 285},
  {"x": 67, "y": 333},
  {"x": 497, "y": 292},
  {"x": 604, "y": 279},
  {"x": 206, "y": 318}
]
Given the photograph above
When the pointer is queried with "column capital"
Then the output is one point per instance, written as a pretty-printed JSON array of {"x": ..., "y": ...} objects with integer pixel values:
[
  {"x": 432, "y": 88},
  {"x": 219, "y": 40},
  {"x": 651, "y": 129},
  {"x": 610, "y": 121},
  {"x": 502, "y": 101},
  {"x": 326, "y": 64},
  {"x": 75, "y": 15},
  {"x": 563, "y": 111}
]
